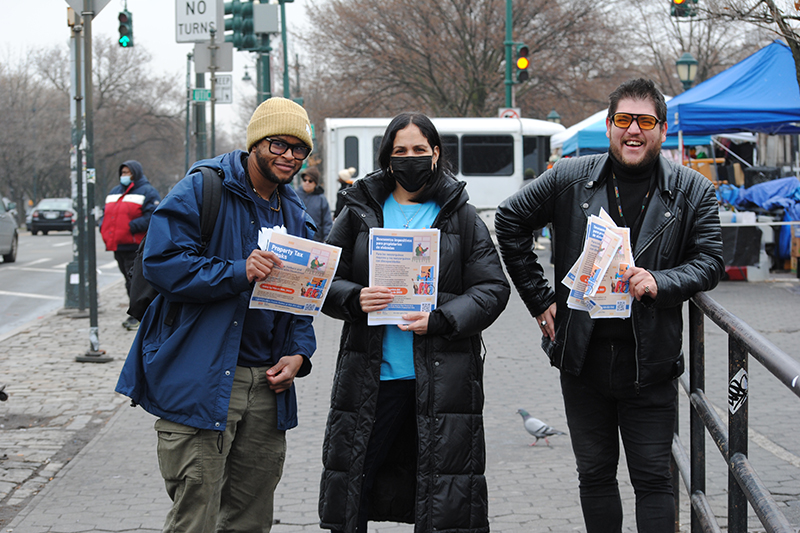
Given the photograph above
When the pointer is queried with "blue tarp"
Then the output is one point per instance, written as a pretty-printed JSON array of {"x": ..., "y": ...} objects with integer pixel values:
[
  {"x": 758, "y": 94},
  {"x": 781, "y": 193}
]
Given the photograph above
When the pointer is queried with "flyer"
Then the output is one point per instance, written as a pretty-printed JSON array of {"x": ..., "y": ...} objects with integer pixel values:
[
  {"x": 407, "y": 262},
  {"x": 596, "y": 285},
  {"x": 599, "y": 248},
  {"x": 612, "y": 298},
  {"x": 301, "y": 284}
]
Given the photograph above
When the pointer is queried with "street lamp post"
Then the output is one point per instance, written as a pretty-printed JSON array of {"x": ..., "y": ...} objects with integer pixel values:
[
  {"x": 687, "y": 70},
  {"x": 554, "y": 117}
]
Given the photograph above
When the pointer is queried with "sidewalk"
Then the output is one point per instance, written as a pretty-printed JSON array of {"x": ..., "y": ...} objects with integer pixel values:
[{"x": 113, "y": 483}]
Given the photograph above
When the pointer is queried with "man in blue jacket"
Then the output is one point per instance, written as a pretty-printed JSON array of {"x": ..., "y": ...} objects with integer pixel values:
[{"x": 220, "y": 375}]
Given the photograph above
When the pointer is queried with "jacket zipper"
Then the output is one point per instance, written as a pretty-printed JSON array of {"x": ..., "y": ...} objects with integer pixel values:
[
  {"x": 653, "y": 238},
  {"x": 636, "y": 384}
]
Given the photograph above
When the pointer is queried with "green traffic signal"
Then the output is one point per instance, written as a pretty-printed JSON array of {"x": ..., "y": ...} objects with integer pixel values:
[{"x": 125, "y": 29}]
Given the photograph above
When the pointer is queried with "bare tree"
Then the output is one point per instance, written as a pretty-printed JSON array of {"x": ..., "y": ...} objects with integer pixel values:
[
  {"x": 660, "y": 39},
  {"x": 137, "y": 115},
  {"x": 777, "y": 16},
  {"x": 34, "y": 135},
  {"x": 444, "y": 58}
]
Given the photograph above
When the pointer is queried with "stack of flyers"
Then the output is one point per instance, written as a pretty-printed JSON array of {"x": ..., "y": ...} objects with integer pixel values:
[{"x": 595, "y": 280}]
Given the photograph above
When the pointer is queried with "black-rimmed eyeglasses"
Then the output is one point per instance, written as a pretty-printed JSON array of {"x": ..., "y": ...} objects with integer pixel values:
[
  {"x": 624, "y": 120},
  {"x": 279, "y": 147}
]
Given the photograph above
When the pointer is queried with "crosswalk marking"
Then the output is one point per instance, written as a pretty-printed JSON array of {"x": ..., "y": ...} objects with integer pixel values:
[{"x": 31, "y": 295}]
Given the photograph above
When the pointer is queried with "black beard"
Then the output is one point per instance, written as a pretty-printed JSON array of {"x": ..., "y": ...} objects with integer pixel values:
[
  {"x": 646, "y": 162},
  {"x": 263, "y": 165}
]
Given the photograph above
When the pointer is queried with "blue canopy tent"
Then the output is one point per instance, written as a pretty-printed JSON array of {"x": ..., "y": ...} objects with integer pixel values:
[{"x": 758, "y": 94}]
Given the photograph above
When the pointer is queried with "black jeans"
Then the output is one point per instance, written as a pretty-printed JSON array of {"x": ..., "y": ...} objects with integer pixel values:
[
  {"x": 602, "y": 404},
  {"x": 125, "y": 262},
  {"x": 396, "y": 404}
]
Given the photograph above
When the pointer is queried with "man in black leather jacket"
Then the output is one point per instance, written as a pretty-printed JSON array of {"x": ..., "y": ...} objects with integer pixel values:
[{"x": 618, "y": 376}]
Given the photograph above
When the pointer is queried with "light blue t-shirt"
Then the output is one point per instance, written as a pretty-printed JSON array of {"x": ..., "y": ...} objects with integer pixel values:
[{"x": 398, "y": 345}]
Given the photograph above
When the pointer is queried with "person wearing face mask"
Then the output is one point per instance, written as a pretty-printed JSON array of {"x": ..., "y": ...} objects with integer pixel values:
[
  {"x": 404, "y": 438},
  {"x": 313, "y": 196},
  {"x": 126, "y": 217}
]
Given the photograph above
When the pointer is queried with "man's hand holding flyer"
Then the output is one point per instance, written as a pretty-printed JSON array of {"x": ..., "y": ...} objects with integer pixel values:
[
  {"x": 407, "y": 262},
  {"x": 595, "y": 280},
  {"x": 301, "y": 284}
]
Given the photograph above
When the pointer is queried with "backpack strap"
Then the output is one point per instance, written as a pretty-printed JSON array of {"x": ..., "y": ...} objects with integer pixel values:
[
  {"x": 212, "y": 197},
  {"x": 209, "y": 209}
]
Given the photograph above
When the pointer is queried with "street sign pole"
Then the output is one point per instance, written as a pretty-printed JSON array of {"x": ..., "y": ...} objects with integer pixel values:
[
  {"x": 213, "y": 68},
  {"x": 287, "y": 93},
  {"x": 94, "y": 354},
  {"x": 508, "y": 44},
  {"x": 200, "y": 117},
  {"x": 188, "y": 108},
  {"x": 263, "y": 74},
  {"x": 78, "y": 232}
]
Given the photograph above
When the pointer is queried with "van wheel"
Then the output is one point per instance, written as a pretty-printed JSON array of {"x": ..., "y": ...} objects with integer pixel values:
[{"x": 11, "y": 256}]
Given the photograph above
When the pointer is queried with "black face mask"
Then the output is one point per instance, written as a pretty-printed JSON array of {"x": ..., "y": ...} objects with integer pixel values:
[{"x": 412, "y": 173}]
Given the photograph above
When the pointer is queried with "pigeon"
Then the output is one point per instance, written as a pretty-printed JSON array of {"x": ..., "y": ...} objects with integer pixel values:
[{"x": 537, "y": 428}]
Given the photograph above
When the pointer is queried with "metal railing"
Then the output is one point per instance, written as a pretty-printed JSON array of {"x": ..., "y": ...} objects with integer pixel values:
[{"x": 744, "y": 485}]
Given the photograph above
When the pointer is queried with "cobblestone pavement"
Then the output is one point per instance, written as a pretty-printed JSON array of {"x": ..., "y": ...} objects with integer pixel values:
[{"x": 51, "y": 480}]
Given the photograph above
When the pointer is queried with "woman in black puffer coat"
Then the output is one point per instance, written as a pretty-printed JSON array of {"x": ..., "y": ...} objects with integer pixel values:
[{"x": 404, "y": 440}]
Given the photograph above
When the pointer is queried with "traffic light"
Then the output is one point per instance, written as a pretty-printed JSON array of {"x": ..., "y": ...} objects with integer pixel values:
[
  {"x": 249, "y": 41},
  {"x": 125, "y": 29},
  {"x": 522, "y": 62},
  {"x": 683, "y": 8},
  {"x": 234, "y": 23},
  {"x": 241, "y": 23}
]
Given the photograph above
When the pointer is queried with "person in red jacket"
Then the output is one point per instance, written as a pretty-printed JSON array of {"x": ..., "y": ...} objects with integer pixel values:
[{"x": 125, "y": 219}]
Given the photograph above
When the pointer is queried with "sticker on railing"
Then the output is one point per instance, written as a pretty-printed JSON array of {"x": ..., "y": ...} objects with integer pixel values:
[{"x": 737, "y": 391}]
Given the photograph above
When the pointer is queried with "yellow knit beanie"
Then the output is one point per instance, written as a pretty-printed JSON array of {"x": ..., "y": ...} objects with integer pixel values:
[{"x": 279, "y": 116}]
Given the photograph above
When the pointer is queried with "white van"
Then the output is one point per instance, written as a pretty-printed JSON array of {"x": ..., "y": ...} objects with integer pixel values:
[{"x": 489, "y": 154}]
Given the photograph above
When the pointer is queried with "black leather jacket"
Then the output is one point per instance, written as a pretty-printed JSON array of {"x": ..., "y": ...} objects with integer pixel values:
[{"x": 679, "y": 242}]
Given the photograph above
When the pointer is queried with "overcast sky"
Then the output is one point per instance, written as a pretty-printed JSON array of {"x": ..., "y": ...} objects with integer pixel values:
[{"x": 34, "y": 24}]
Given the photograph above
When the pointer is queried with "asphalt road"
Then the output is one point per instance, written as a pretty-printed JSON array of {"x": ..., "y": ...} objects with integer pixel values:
[{"x": 35, "y": 284}]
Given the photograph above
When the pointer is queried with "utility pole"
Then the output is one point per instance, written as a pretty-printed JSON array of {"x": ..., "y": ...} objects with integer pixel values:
[
  {"x": 212, "y": 68},
  {"x": 76, "y": 270},
  {"x": 188, "y": 108},
  {"x": 286, "y": 90},
  {"x": 508, "y": 44},
  {"x": 94, "y": 354},
  {"x": 263, "y": 81}
]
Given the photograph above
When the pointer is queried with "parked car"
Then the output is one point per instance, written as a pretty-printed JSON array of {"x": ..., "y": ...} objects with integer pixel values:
[
  {"x": 52, "y": 214},
  {"x": 9, "y": 238},
  {"x": 10, "y": 206}
]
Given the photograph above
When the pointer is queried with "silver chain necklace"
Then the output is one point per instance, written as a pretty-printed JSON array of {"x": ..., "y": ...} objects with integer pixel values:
[{"x": 408, "y": 220}]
